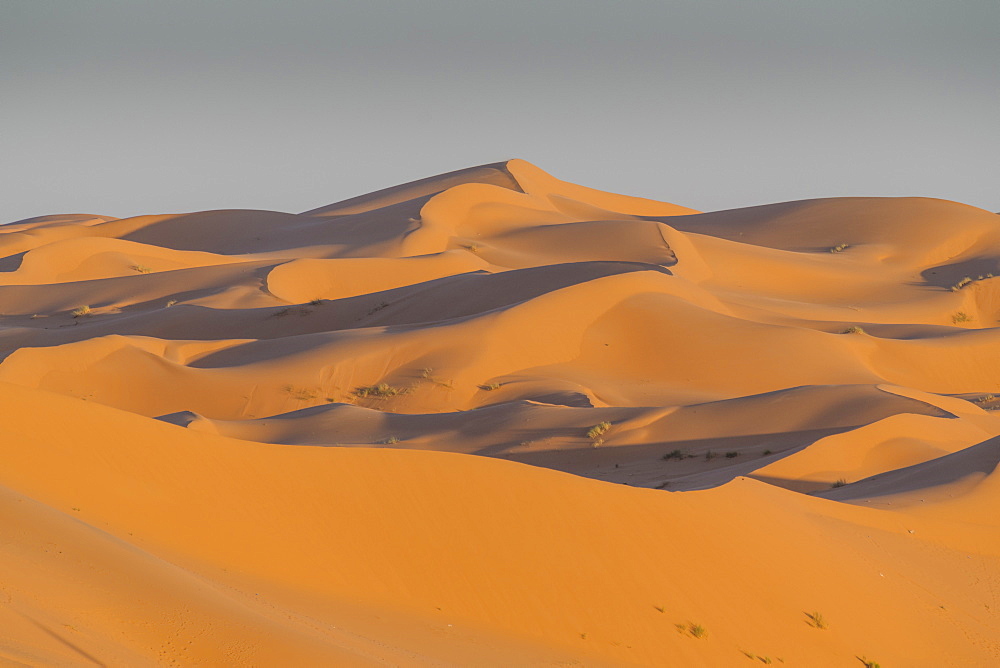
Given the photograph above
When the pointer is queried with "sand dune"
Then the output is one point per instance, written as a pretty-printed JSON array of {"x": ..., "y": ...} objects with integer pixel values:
[{"x": 493, "y": 418}]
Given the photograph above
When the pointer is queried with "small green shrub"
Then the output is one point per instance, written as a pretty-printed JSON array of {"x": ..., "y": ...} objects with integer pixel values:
[
  {"x": 697, "y": 630},
  {"x": 598, "y": 430},
  {"x": 961, "y": 316},
  {"x": 853, "y": 330},
  {"x": 868, "y": 662},
  {"x": 674, "y": 454},
  {"x": 81, "y": 311},
  {"x": 381, "y": 391},
  {"x": 961, "y": 284}
]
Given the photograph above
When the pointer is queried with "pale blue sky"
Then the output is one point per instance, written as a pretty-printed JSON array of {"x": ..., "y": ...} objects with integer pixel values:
[{"x": 121, "y": 107}]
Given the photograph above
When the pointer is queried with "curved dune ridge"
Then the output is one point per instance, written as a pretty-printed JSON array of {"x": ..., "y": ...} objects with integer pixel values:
[{"x": 761, "y": 435}]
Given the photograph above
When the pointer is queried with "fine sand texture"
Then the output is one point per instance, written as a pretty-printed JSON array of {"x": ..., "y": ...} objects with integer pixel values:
[{"x": 492, "y": 418}]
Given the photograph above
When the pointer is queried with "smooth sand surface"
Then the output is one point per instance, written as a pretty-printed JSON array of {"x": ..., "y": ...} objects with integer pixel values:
[{"x": 765, "y": 435}]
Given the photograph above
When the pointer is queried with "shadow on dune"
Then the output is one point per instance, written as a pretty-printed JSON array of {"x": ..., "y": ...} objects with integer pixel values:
[{"x": 981, "y": 458}]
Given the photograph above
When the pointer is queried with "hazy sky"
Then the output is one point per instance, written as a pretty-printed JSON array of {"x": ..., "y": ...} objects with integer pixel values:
[{"x": 121, "y": 107}]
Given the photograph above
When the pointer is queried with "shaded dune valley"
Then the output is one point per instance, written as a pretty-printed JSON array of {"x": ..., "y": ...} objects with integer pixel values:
[{"x": 492, "y": 418}]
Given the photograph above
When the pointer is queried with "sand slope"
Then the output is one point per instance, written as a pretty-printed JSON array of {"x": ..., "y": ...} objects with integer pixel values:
[{"x": 245, "y": 437}]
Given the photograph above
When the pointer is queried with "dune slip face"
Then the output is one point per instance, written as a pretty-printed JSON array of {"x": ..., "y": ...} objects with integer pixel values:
[{"x": 492, "y": 418}]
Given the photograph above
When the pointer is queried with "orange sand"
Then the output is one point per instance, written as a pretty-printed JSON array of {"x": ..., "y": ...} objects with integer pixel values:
[{"x": 171, "y": 495}]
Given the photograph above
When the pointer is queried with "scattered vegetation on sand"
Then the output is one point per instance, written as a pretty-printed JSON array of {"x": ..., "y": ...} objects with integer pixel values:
[
  {"x": 489, "y": 387},
  {"x": 757, "y": 657},
  {"x": 429, "y": 375},
  {"x": 961, "y": 316},
  {"x": 378, "y": 307},
  {"x": 709, "y": 455},
  {"x": 840, "y": 248},
  {"x": 380, "y": 391},
  {"x": 391, "y": 440},
  {"x": 840, "y": 483},
  {"x": 815, "y": 620},
  {"x": 987, "y": 399},
  {"x": 596, "y": 433},
  {"x": 696, "y": 630},
  {"x": 598, "y": 429},
  {"x": 81, "y": 311},
  {"x": 474, "y": 247},
  {"x": 141, "y": 268},
  {"x": 768, "y": 452},
  {"x": 301, "y": 393},
  {"x": 675, "y": 454},
  {"x": 868, "y": 662},
  {"x": 961, "y": 284},
  {"x": 302, "y": 311},
  {"x": 854, "y": 329},
  {"x": 730, "y": 455},
  {"x": 315, "y": 302}
]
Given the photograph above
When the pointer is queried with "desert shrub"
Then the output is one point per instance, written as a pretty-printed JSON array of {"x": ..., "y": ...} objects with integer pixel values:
[
  {"x": 816, "y": 620},
  {"x": 961, "y": 284},
  {"x": 301, "y": 393},
  {"x": 840, "y": 483},
  {"x": 853, "y": 330},
  {"x": 381, "y": 390},
  {"x": 598, "y": 430},
  {"x": 730, "y": 455},
  {"x": 961, "y": 316},
  {"x": 141, "y": 268},
  {"x": 839, "y": 248},
  {"x": 697, "y": 630},
  {"x": 81, "y": 311}
]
